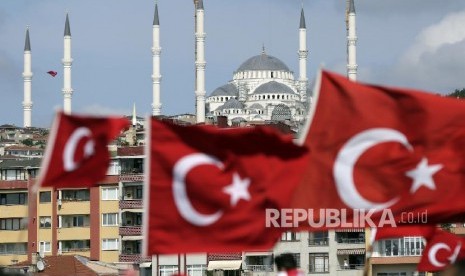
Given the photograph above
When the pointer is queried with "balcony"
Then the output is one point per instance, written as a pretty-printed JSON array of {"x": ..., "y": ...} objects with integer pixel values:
[
  {"x": 131, "y": 204},
  {"x": 318, "y": 242},
  {"x": 351, "y": 267},
  {"x": 13, "y": 184},
  {"x": 133, "y": 258},
  {"x": 351, "y": 240},
  {"x": 318, "y": 268},
  {"x": 130, "y": 231},
  {"x": 259, "y": 268},
  {"x": 131, "y": 177}
]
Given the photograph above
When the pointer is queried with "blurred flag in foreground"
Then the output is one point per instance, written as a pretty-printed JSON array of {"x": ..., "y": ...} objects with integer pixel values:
[
  {"x": 77, "y": 153},
  {"x": 208, "y": 188},
  {"x": 441, "y": 250},
  {"x": 386, "y": 150}
]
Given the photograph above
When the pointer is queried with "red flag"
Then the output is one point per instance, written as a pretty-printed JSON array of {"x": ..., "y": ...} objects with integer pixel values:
[
  {"x": 377, "y": 148},
  {"x": 441, "y": 250},
  {"x": 425, "y": 231},
  {"x": 209, "y": 187},
  {"x": 52, "y": 73},
  {"x": 77, "y": 153}
]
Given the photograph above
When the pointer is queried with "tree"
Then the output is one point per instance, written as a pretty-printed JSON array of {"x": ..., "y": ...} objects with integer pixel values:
[
  {"x": 459, "y": 94},
  {"x": 28, "y": 142}
]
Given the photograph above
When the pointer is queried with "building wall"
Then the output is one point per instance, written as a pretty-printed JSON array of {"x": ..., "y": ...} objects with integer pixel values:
[{"x": 109, "y": 232}]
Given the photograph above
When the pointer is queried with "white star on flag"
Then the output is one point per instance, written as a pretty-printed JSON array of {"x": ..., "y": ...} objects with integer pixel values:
[
  {"x": 422, "y": 175},
  {"x": 238, "y": 189}
]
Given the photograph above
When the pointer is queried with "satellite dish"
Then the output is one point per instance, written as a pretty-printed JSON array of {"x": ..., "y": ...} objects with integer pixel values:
[
  {"x": 40, "y": 266},
  {"x": 42, "y": 254}
]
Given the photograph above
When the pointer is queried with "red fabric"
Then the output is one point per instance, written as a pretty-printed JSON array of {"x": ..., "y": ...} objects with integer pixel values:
[
  {"x": 270, "y": 162},
  {"x": 52, "y": 73},
  {"x": 78, "y": 168},
  {"x": 441, "y": 250},
  {"x": 434, "y": 129},
  {"x": 425, "y": 231}
]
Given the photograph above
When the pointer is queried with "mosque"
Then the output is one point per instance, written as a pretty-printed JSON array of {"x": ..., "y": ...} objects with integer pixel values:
[{"x": 263, "y": 89}]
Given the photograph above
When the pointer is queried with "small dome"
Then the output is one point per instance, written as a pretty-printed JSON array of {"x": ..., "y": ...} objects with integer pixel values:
[
  {"x": 225, "y": 90},
  {"x": 256, "y": 106},
  {"x": 281, "y": 113},
  {"x": 273, "y": 87},
  {"x": 238, "y": 120},
  {"x": 263, "y": 62},
  {"x": 232, "y": 104}
]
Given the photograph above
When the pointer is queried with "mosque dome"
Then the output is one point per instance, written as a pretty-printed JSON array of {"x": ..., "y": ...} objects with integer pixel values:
[
  {"x": 232, "y": 104},
  {"x": 263, "y": 62},
  {"x": 281, "y": 113},
  {"x": 225, "y": 90},
  {"x": 273, "y": 87}
]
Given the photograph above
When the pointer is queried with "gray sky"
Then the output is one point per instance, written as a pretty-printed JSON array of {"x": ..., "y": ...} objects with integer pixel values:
[{"x": 408, "y": 43}]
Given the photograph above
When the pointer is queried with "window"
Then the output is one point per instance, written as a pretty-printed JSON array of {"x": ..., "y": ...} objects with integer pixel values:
[
  {"x": 196, "y": 270},
  {"x": 45, "y": 222},
  {"x": 13, "y": 199},
  {"x": 408, "y": 246},
  {"x": 74, "y": 221},
  {"x": 110, "y": 193},
  {"x": 11, "y": 224},
  {"x": 318, "y": 238},
  {"x": 13, "y": 248},
  {"x": 110, "y": 219},
  {"x": 318, "y": 262},
  {"x": 290, "y": 236},
  {"x": 168, "y": 270},
  {"x": 74, "y": 245},
  {"x": 110, "y": 244},
  {"x": 44, "y": 246},
  {"x": 45, "y": 197},
  {"x": 75, "y": 195}
]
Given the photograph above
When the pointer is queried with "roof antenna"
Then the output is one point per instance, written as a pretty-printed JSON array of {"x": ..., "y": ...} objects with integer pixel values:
[{"x": 263, "y": 49}]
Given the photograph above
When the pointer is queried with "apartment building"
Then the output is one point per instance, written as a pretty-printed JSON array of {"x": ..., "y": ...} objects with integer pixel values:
[{"x": 56, "y": 222}]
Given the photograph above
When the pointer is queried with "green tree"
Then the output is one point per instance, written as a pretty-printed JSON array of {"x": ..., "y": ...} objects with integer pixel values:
[
  {"x": 460, "y": 94},
  {"x": 28, "y": 142}
]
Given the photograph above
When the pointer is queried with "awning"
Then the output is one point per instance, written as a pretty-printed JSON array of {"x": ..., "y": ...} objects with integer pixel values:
[
  {"x": 224, "y": 265},
  {"x": 132, "y": 210},
  {"x": 131, "y": 238},
  {"x": 356, "y": 251},
  {"x": 146, "y": 264},
  {"x": 351, "y": 230},
  {"x": 258, "y": 253}
]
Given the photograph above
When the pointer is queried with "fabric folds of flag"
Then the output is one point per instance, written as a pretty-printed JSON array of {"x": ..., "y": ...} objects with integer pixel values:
[
  {"x": 379, "y": 148},
  {"x": 208, "y": 188},
  {"x": 441, "y": 250},
  {"x": 77, "y": 150}
]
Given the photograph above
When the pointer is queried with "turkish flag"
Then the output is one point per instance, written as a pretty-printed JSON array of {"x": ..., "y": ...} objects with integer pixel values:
[
  {"x": 77, "y": 153},
  {"x": 52, "y": 73},
  {"x": 425, "y": 231},
  {"x": 377, "y": 148},
  {"x": 209, "y": 188},
  {"x": 441, "y": 250}
]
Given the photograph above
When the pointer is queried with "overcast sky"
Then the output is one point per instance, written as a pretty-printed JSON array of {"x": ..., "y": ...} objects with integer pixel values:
[{"x": 407, "y": 43}]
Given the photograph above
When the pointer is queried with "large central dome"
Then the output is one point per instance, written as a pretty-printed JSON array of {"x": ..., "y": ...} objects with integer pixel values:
[{"x": 263, "y": 62}]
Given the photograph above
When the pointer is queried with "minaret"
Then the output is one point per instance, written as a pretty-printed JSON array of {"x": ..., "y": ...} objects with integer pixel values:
[
  {"x": 156, "y": 77},
  {"x": 134, "y": 115},
  {"x": 27, "y": 77},
  {"x": 200, "y": 61},
  {"x": 303, "y": 53},
  {"x": 351, "y": 43},
  {"x": 67, "y": 61}
]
